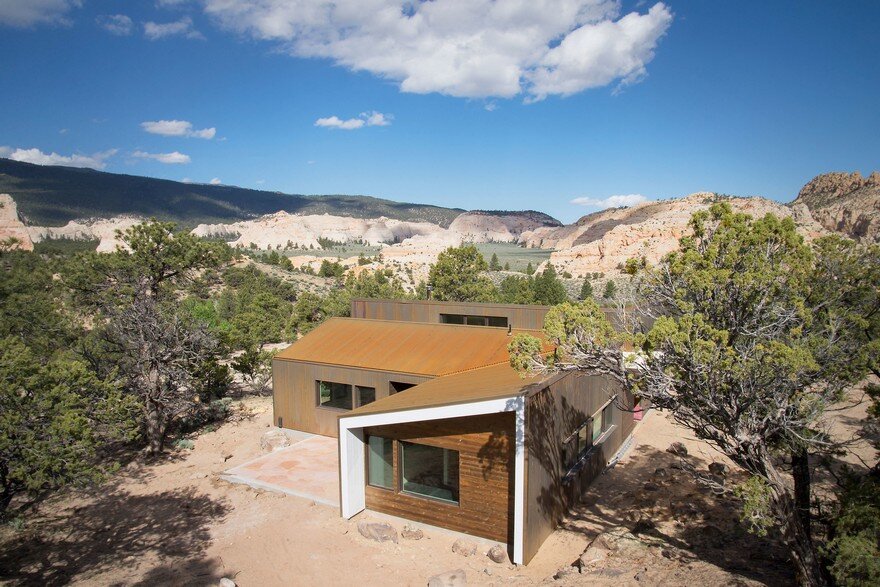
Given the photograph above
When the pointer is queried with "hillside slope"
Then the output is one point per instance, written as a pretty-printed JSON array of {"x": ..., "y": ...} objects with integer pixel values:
[
  {"x": 52, "y": 196},
  {"x": 603, "y": 241},
  {"x": 845, "y": 202}
]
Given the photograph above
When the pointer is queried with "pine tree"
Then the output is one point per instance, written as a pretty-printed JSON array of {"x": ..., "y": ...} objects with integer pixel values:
[
  {"x": 586, "y": 290},
  {"x": 610, "y": 290}
]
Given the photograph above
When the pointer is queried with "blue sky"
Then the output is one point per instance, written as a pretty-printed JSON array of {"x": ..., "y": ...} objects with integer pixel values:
[{"x": 497, "y": 106}]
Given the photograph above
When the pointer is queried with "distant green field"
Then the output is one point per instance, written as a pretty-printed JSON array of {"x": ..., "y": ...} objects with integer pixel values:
[
  {"x": 65, "y": 246},
  {"x": 517, "y": 256},
  {"x": 343, "y": 251}
]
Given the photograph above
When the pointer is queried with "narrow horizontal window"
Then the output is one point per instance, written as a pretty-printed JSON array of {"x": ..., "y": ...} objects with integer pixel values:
[{"x": 429, "y": 471}]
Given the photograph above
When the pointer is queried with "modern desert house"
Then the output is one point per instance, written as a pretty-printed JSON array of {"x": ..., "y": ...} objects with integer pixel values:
[{"x": 435, "y": 426}]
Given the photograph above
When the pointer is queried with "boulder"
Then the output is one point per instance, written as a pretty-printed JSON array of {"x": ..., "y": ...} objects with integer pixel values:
[
  {"x": 456, "y": 578},
  {"x": 719, "y": 469},
  {"x": 377, "y": 531},
  {"x": 273, "y": 440},
  {"x": 593, "y": 555},
  {"x": 410, "y": 532},
  {"x": 677, "y": 448},
  {"x": 498, "y": 554},
  {"x": 227, "y": 582},
  {"x": 464, "y": 547}
]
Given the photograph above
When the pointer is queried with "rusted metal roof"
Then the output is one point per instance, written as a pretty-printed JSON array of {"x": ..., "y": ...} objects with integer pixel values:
[
  {"x": 493, "y": 382},
  {"x": 402, "y": 347}
]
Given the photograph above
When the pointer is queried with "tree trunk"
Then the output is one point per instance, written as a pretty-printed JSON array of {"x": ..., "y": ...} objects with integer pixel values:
[
  {"x": 800, "y": 471},
  {"x": 156, "y": 427},
  {"x": 795, "y": 533},
  {"x": 6, "y": 490}
]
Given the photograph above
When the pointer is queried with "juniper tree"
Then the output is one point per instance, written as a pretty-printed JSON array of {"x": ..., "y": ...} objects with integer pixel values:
[
  {"x": 457, "y": 276},
  {"x": 741, "y": 353}
]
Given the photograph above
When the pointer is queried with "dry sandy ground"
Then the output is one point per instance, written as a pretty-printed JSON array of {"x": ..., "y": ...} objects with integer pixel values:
[{"x": 176, "y": 523}]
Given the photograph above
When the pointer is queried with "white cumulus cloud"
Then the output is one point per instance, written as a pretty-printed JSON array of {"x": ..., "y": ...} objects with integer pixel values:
[
  {"x": 472, "y": 49},
  {"x": 177, "y": 128},
  {"x": 38, "y": 157},
  {"x": 611, "y": 201},
  {"x": 183, "y": 27},
  {"x": 25, "y": 13},
  {"x": 173, "y": 158},
  {"x": 215, "y": 181},
  {"x": 372, "y": 118},
  {"x": 117, "y": 24}
]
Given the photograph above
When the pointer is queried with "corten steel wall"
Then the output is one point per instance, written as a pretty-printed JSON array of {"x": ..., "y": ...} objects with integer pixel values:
[
  {"x": 552, "y": 414},
  {"x": 484, "y": 444},
  {"x": 295, "y": 392},
  {"x": 518, "y": 316}
]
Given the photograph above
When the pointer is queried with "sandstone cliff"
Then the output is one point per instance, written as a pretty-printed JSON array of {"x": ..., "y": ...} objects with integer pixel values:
[
  {"x": 603, "y": 241},
  {"x": 11, "y": 225},
  {"x": 845, "y": 202}
]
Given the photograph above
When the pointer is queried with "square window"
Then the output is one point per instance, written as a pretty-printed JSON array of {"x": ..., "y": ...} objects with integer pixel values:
[
  {"x": 365, "y": 395},
  {"x": 334, "y": 395},
  {"x": 429, "y": 471}
]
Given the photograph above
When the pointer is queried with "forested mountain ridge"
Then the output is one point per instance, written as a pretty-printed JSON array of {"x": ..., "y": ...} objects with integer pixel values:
[{"x": 53, "y": 195}]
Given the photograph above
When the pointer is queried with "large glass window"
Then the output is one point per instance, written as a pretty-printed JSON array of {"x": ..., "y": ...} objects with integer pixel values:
[
  {"x": 380, "y": 462},
  {"x": 334, "y": 395},
  {"x": 365, "y": 395},
  {"x": 429, "y": 471}
]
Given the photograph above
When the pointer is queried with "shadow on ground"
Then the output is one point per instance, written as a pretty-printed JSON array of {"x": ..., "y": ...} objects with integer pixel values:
[
  {"x": 664, "y": 503},
  {"x": 166, "y": 532}
]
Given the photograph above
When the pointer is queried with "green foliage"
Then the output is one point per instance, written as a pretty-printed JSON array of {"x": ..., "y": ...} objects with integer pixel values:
[
  {"x": 586, "y": 290},
  {"x": 516, "y": 290},
  {"x": 53, "y": 419},
  {"x": 855, "y": 548},
  {"x": 65, "y": 246},
  {"x": 494, "y": 265},
  {"x": 458, "y": 276},
  {"x": 548, "y": 289},
  {"x": 30, "y": 308},
  {"x": 610, "y": 290},
  {"x": 524, "y": 349},
  {"x": 757, "y": 505},
  {"x": 331, "y": 269},
  {"x": 507, "y": 266},
  {"x": 529, "y": 269}
]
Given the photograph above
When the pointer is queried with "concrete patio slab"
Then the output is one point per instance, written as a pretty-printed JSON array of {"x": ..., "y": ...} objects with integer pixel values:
[{"x": 309, "y": 469}]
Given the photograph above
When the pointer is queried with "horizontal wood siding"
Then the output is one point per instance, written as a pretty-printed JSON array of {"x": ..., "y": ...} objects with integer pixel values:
[
  {"x": 295, "y": 395},
  {"x": 552, "y": 415},
  {"x": 485, "y": 467}
]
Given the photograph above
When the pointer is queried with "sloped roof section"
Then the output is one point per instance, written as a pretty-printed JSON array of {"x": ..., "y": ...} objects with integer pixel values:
[
  {"x": 415, "y": 348},
  {"x": 485, "y": 383}
]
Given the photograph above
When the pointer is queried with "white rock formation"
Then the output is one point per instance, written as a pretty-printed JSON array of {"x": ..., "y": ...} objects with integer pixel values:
[{"x": 11, "y": 225}]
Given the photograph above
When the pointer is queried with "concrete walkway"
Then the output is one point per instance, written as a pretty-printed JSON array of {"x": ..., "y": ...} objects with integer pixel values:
[{"x": 309, "y": 469}]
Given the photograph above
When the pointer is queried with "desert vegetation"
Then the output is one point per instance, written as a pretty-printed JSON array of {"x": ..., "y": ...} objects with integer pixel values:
[{"x": 750, "y": 338}]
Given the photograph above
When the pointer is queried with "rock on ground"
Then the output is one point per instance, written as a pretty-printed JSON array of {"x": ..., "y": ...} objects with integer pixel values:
[
  {"x": 410, "y": 532},
  {"x": 456, "y": 578},
  {"x": 273, "y": 440},
  {"x": 464, "y": 547},
  {"x": 497, "y": 554},
  {"x": 377, "y": 531},
  {"x": 677, "y": 448}
]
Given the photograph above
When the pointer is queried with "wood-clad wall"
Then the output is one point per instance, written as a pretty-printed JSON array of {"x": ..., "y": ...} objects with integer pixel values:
[
  {"x": 518, "y": 316},
  {"x": 295, "y": 393},
  {"x": 552, "y": 414},
  {"x": 484, "y": 444}
]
